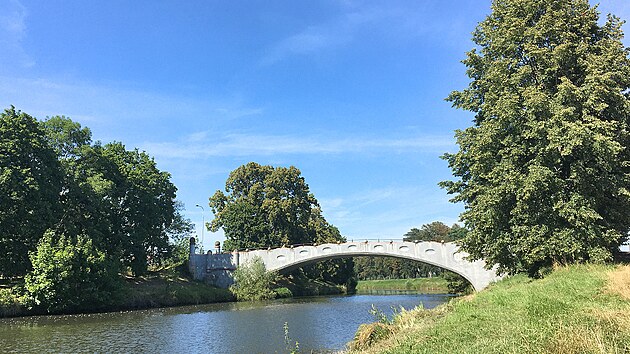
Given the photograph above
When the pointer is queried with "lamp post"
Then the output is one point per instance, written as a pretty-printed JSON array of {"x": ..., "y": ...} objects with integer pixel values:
[{"x": 203, "y": 222}]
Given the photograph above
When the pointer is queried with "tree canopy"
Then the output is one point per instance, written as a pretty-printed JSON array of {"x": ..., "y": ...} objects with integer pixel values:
[
  {"x": 544, "y": 170},
  {"x": 268, "y": 206},
  {"x": 54, "y": 180},
  {"x": 30, "y": 187}
]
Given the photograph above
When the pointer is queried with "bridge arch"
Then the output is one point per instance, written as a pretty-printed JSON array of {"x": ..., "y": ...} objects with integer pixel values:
[{"x": 444, "y": 255}]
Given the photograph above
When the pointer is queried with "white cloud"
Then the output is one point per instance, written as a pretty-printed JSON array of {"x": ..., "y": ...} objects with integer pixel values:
[
  {"x": 116, "y": 105},
  {"x": 12, "y": 32},
  {"x": 389, "y": 212},
  {"x": 201, "y": 145}
]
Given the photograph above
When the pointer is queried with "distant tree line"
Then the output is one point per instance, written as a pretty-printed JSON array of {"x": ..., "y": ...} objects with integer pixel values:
[
  {"x": 374, "y": 268},
  {"x": 75, "y": 213}
]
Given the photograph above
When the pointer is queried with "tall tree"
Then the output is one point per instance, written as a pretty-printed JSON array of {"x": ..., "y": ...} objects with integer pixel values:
[
  {"x": 144, "y": 206},
  {"x": 544, "y": 171},
  {"x": 435, "y": 231},
  {"x": 268, "y": 206},
  {"x": 264, "y": 207},
  {"x": 30, "y": 185}
]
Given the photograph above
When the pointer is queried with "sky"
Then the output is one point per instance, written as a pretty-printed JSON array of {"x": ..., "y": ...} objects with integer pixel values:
[{"x": 350, "y": 92}]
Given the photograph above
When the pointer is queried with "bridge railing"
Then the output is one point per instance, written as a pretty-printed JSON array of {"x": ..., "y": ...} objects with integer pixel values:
[{"x": 317, "y": 244}]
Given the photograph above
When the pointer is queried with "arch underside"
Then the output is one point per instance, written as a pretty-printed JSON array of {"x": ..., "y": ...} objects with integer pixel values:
[{"x": 305, "y": 262}]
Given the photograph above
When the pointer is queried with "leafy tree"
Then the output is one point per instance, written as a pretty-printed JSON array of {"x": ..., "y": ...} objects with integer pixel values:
[
  {"x": 143, "y": 206},
  {"x": 65, "y": 136},
  {"x": 268, "y": 206},
  {"x": 118, "y": 197},
  {"x": 544, "y": 170},
  {"x": 30, "y": 185},
  {"x": 435, "y": 231},
  {"x": 264, "y": 207},
  {"x": 252, "y": 282},
  {"x": 71, "y": 275}
]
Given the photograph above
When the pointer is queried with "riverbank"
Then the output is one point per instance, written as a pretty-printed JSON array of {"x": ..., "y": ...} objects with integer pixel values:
[
  {"x": 165, "y": 288},
  {"x": 435, "y": 285},
  {"x": 576, "y": 309}
]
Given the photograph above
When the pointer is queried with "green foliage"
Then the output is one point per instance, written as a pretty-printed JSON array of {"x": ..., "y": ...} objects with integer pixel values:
[
  {"x": 435, "y": 285},
  {"x": 10, "y": 303},
  {"x": 266, "y": 206},
  {"x": 544, "y": 170},
  {"x": 65, "y": 136},
  {"x": 252, "y": 282},
  {"x": 179, "y": 233},
  {"x": 71, "y": 275},
  {"x": 283, "y": 293},
  {"x": 30, "y": 185},
  {"x": 457, "y": 284}
]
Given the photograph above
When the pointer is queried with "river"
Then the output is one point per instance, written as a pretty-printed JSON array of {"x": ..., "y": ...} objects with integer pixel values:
[{"x": 320, "y": 324}]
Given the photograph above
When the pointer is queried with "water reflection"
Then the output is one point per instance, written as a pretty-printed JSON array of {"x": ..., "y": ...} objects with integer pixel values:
[{"x": 317, "y": 323}]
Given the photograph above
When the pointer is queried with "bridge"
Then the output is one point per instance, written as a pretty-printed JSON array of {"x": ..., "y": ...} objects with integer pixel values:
[{"x": 217, "y": 269}]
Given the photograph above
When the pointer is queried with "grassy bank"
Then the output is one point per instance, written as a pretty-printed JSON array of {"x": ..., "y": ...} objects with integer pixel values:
[
  {"x": 436, "y": 285},
  {"x": 577, "y": 309},
  {"x": 156, "y": 289},
  {"x": 169, "y": 289},
  {"x": 300, "y": 285}
]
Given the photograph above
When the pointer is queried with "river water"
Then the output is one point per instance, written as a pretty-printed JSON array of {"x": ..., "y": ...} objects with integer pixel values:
[{"x": 320, "y": 324}]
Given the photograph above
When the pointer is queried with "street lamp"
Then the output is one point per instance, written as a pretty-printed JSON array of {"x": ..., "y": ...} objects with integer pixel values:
[{"x": 203, "y": 222}]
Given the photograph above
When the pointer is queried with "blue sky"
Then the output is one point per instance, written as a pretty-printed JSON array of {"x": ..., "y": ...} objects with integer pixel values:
[{"x": 350, "y": 92}]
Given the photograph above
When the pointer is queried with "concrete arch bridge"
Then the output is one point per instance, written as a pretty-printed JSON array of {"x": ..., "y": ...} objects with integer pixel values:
[{"x": 217, "y": 268}]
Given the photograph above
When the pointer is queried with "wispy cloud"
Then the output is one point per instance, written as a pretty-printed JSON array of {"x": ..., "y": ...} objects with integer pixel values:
[
  {"x": 388, "y": 212},
  {"x": 200, "y": 145},
  {"x": 113, "y": 106},
  {"x": 391, "y": 19},
  {"x": 322, "y": 36},
  {"x": 12, "y": 32}
]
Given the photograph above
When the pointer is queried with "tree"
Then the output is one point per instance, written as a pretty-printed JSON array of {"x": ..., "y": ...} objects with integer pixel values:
[
  {"x": 268, "y": 206},
  {"x": 142, "y": 204},
  {"x": 179, "y": 233},
  {"x": 435, "y": 231},
  {"x": 544, "y": 170},
  {"x": 65, "y": 136},
  {"x": 30, "y": 186},
  {"x": 264, "y": 207}
]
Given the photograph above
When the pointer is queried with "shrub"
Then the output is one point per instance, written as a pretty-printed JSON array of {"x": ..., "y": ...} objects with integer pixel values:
[
  {"x": 252, "y": 282},
  {"x": 283, "y": 293},
  {"x": 71, "y": 275}
]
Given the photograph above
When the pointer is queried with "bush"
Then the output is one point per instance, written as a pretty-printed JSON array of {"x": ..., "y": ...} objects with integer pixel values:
[
  {"x": 283, "y": 293},
  {"x": 71, "y": 275},
  {"x": 253, "y": 282},
  {"x": 456, "y": 283},
  {"x": 9, "y": 303}
]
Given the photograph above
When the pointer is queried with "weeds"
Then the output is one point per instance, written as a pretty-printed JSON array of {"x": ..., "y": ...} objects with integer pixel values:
[{"x": 291, "y": 347}]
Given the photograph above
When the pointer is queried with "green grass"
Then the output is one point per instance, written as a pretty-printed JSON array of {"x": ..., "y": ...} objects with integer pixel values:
[
  {"x": 164, "y": 289},
  {"x": 578, "y": 309},
  {"x": 426, "y": 285}
]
